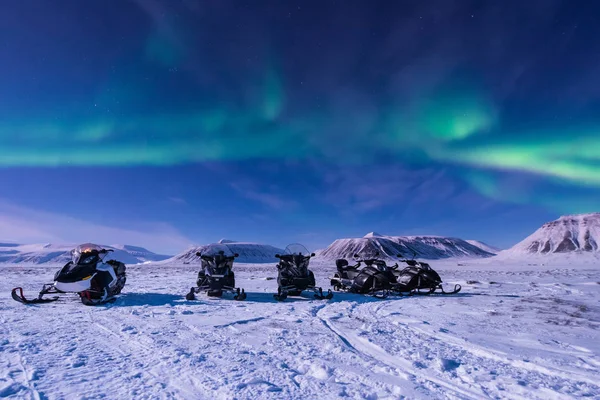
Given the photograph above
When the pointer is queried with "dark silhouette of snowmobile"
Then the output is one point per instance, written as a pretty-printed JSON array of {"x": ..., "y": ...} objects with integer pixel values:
[
  {"x": 375, "y": 278},
  {"x": 95, "y": 281},
  {"x": 293, "y": 275},
  {"x": 216, "y": 276},
  {"x": 378, "y": 279},
  {"x": 419, "y": 278}
]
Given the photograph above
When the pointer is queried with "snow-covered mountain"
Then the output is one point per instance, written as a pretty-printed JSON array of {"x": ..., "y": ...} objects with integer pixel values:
[
  {"x": 60, "y": 253},
  {"x": 426, "y": 247},
  {"x": 248, "y": 252},
  {"x": 568, "y": 234},
  {"x": 484, "y": 246}
]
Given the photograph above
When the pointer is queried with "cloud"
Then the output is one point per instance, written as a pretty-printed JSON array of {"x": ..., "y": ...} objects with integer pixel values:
[
  {"x": 362, "y": 190},
  {"x": 24, "y": 225},
  {"x": 265, "y": 196},
  {"x": 177, "y": 200}
]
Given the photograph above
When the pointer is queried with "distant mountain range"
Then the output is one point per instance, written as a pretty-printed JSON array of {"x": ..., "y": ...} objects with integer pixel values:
[
  {"x": 426, "y": 247},
  {"x": 573, "y": 235},
  {"x": 570, "y": 234},
  {"x": 61, "y": 253}
]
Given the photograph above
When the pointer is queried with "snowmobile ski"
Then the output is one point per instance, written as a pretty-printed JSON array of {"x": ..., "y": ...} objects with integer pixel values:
[
  {"x": 17, "y": 295},
  {"x": 283, "y": 293}
]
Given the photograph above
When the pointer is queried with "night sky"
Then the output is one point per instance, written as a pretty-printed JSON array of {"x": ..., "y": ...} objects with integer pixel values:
[{"x": 168, "y": 123}]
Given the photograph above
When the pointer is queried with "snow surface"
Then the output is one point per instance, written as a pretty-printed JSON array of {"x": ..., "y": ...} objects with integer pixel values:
[
  {"x": 388, "y": 247},
  {"x": 568, "y": 234},
  {"x": 61, "y": 253},
  {"x": 515, "y": 331}
]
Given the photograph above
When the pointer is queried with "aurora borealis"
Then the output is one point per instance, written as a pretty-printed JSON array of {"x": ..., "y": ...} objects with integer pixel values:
[{"x": 430, "y": 107}]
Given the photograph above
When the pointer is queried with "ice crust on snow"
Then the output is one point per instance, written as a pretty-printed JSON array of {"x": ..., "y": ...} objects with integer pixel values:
[
  {"x": 426, "y": 247},
  {"x": 60, "y": 253}
]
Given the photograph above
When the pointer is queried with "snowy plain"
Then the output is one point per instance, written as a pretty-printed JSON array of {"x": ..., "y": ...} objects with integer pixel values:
[{"x": 515, "y": 331}]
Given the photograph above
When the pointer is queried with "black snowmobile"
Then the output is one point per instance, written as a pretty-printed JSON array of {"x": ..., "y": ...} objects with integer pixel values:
[
  {"x": 294, "y": 277},
  {"x": 216, "y": 276},
  {"x": 375, "y": 278},
  {"x": 95, "y": 281},
  {"x": 419, "y": 278}
]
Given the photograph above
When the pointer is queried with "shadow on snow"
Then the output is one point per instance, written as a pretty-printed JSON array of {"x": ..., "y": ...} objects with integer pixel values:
[{"x": 162, "y": 299}]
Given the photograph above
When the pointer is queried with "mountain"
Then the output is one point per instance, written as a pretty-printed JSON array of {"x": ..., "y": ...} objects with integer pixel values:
[
  {"x": 427, "y": 247},
  {"x": 248, "y": 252},
  {"x": 576, "y": 234},
  {"x": 61, "y": 253},
  {"x": 484, "y": 246}
]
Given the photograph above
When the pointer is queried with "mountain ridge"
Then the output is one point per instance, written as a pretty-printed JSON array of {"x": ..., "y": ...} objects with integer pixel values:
[
  {"x": 43, "y": 253},
  {"x": 423, "y": 246},
  {"x": 569, "y": 234},
  {"x": 249, "y": 252}
]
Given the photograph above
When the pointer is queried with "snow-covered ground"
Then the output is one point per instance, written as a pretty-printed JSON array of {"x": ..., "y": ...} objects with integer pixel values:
[{"x": 515, "y": 331}]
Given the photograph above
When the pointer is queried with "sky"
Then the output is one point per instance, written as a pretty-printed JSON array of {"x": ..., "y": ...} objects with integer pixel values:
[{"x": 178, "y": 122}]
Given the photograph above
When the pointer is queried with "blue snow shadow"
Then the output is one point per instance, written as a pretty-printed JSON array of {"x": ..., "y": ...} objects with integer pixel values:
[
  {"x": 267, "y": 297},
  {"x": 162, "y": 299},
  {"x": 150, "y": 299}
]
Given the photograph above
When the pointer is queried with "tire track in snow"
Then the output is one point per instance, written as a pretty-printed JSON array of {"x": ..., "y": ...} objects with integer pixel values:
[
  {"x": 161, "y": 371},
  {"x": 15, "y": 387},
  {"x": 528, "y": 379},
  {"x": 27, "y": 379},
  {"x": 378, "y": 354},
  {"x": 480, "y": 351}
]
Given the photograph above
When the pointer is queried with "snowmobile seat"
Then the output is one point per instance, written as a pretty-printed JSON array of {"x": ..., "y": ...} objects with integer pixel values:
[{"x": 370, "y": 279}]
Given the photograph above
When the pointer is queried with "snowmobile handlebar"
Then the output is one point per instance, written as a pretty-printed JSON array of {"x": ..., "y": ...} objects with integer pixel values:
[
  {"x": 210, "y": 258},
  {"x": 292, "y": 255}
]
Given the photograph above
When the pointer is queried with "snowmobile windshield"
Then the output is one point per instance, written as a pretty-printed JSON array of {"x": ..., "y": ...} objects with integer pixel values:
[
  {"x": 87, "y": 253},
  {"x": 296, "y": 249},
  {"x": 296, "y": 256},
  {"x": 217, "y": 249}
]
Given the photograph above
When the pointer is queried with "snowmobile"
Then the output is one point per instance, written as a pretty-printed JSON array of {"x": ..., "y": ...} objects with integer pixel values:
[
  {"x": 95, "y": 281},
  {"x": 375, "y": 278},
  {"x": 294, "y": 277},
  {"x": 216, "y": 276},
  {"x": 418, "y": 278}
]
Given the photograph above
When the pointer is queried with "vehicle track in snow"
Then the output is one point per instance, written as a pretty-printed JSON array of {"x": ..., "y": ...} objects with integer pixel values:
[
  {"x": 405, "y": 368},
  {"x": 447, "y": 361}
]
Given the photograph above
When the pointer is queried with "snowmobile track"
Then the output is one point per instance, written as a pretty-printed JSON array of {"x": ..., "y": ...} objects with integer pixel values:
[
  {"x": 143, "y": 352},
  {"x": 405, "y": 371}
]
